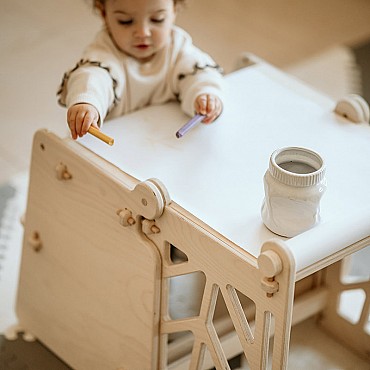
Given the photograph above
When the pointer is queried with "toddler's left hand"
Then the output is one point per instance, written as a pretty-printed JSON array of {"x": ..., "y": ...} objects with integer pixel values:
[{"x": 209, "y": 105}]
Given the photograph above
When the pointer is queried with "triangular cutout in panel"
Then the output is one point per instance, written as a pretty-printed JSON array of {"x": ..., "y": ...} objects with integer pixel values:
[{"x": 176, "y": 255}]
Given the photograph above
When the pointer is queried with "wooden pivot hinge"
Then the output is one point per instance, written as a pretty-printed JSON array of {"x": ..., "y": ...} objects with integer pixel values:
[
  {"x": 150, "y": 198},
  {"x": 62, "y": 172},
  {"x": 353, "y": 107},
  {"x": 270, "y": 265}
]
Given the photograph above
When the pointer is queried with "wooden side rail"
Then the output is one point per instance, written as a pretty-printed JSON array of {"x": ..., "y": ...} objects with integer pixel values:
[{"x": 330, "y": 242}]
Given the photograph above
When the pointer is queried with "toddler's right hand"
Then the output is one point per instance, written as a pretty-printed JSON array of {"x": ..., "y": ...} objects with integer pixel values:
[{"x": 80, "y": 117}]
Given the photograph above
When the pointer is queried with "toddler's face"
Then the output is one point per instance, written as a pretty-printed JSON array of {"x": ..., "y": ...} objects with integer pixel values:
[{"x": 140, "y": 28}]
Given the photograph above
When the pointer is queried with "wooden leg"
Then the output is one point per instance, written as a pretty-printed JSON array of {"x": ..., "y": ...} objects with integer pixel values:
[{"x": 352, "y": 334}]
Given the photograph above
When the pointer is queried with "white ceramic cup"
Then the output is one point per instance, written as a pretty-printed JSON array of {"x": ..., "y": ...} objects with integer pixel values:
[{"x": 294, "y": 184}]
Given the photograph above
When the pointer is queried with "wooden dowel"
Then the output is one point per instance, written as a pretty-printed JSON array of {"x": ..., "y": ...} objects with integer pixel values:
[{"x": 97, "y": 133}]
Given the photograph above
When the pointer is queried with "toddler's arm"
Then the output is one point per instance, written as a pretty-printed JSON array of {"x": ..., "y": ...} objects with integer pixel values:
[
  {"x": 209, "y": 105},
  {"x": 93, "y": 87},
  {"x": 197, "y": 79},
  {"x": 80, "y": 117}
]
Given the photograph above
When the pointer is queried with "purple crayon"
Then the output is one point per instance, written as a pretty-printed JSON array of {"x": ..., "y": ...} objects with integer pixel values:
[{"x": 184, "y": 129}]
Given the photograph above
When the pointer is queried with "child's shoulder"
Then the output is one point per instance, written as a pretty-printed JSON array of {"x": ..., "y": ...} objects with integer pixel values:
[
  {"x": 180, "y": 35},
  {"x": 102, "y": 47},
  {"x": 102, "y": 40}
]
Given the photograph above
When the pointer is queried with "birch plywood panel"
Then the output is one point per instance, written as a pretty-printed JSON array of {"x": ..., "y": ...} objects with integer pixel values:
[
  {"x": 230, "y": 274},
  {"x": 80, "y": 292}
]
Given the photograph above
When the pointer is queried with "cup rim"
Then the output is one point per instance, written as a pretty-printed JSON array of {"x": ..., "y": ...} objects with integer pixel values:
[{"x": 305, "y": 155}]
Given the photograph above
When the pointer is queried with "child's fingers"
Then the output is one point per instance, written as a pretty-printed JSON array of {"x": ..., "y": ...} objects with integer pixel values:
[
  {"x": 80, "y": 116},
  {"x": 210, "y": 104},
  {"x": 201, "y": 104},
  {"x": 89, "y": 119},
  {"x": 215, "y": 106},
  {"x": 71, "y": 119}
]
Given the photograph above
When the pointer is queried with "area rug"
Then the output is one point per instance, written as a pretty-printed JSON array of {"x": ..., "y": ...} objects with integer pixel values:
[{"x": 12, "y": 207}]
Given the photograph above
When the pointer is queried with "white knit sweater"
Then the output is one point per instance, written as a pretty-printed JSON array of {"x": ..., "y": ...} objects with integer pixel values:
[{"x": 116, "y": 83}]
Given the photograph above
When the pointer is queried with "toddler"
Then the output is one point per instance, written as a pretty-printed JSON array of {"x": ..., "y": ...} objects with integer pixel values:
[{"x": 139, "y": 58}]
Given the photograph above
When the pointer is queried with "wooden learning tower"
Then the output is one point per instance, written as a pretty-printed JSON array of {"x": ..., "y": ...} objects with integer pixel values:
[{"x": 99, "y": 262}]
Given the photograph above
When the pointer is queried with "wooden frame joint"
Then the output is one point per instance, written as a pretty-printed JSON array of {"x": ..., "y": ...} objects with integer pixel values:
[{"x": 151, "y": 198}]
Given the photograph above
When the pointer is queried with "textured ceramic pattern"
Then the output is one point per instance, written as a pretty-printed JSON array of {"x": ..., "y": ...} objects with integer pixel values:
[{"x": 292, "y": 194}]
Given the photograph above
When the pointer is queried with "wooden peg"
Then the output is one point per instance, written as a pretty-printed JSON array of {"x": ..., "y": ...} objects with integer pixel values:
[
  {"x": 125, "y": 217},
  {"x": 149, "y": 227},
  {"x": 35, "y": 242},
  {"x": 270, "y": 265},
  {"x": 270, "y": 286},
  {"x": 62, "y": 172}
]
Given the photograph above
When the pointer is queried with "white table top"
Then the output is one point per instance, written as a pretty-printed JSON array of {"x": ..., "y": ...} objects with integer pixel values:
[{"x": 216, "y": 171}]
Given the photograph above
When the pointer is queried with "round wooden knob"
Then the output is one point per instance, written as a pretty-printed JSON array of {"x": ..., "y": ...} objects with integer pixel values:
[
  {"x": 269, "y": 263},
  {"x": 353, "y": 107}
]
